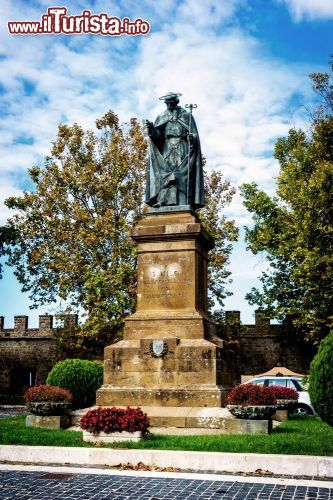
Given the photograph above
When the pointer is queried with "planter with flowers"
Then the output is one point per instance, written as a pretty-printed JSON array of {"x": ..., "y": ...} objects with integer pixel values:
[
  {"x": 251, "y": 401},
  {"x": 286, "y": 398},
  {"x": 48, "y": 400},
  {"x": 49, "y": 406},
  {"x": 108, "y": 425}
]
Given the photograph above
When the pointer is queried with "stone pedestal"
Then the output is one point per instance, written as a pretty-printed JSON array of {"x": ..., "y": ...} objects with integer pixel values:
[
  {"x": 170, "y": 355},
  {"x": 114, "y": 437},
  {"x": 47, "y": 422},
  {"x": 281, "y": 415}
]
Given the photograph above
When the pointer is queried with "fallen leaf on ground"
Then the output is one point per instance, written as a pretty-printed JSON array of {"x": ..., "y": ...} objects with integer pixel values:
[{"x": 261, "y": 472}]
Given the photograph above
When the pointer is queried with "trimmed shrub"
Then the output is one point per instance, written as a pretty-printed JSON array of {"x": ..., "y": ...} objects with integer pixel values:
[
  {"x": 321, "y": 380},
  {"x": 114, "y": 420},
  {"x": 285, "y": 393},
  {"x": 80, "y": 376},
  {"x": 47, "y": 393},
  {"x": 251, "y": 395}
]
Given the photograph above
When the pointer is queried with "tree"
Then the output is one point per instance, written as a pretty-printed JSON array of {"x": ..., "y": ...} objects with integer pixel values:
[
  {"x": 73, "y": 229},
  {"x": 218, "y": 194},
  {"x": 7, "y": 238},
  {"x": 321, "y": 380},
  {"x": 293, "y": 229}
]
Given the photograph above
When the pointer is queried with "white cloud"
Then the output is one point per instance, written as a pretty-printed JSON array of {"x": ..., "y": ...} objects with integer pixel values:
[
  {"x": 6, "y": 189},
  {"x": 243, "y": 96},
  {"x": 310, "y": 9}
]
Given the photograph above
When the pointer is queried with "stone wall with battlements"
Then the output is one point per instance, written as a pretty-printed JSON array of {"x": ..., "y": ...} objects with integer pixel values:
[
  {"x": 262, "y": 345},
  {"x": 27, "y": 354}
]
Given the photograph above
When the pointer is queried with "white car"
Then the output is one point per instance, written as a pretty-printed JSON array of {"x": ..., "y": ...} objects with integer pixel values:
[{"x": 303, "y": 406}]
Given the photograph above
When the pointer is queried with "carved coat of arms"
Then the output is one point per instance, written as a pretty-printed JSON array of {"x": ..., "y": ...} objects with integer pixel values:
[{"x": 158, "y": 348}]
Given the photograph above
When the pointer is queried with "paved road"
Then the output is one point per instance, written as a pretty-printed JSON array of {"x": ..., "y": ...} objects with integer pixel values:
[
  {"x": 10, "y": 411},
  {"x": 44, "y": 484}
]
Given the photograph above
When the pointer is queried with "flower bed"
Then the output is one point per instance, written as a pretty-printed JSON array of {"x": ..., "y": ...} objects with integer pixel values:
[
  {"x": 284, "y": 392},
  {"x": 48, "y": 400},
  {"x": 251, "y": 401},
  {"x": 285, "y": 396},
  {"x": 250, "y": 395},
  {"x": 50, "y": 393},
  {"x": 114, "y": 424}
]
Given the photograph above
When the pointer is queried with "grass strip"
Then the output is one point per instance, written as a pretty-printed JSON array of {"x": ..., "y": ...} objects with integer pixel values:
[{"x": 299, "y": 436}]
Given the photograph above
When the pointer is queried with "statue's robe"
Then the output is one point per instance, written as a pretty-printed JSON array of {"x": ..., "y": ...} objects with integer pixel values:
[{"x": 175, "y": 175}]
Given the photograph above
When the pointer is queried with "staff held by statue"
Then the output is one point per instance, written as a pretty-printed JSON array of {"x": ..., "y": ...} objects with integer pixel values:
[{"x": 190, "y": 107}]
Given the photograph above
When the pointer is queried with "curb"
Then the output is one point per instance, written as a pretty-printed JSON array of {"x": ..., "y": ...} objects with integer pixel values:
[{"x": 295, "y": 465}]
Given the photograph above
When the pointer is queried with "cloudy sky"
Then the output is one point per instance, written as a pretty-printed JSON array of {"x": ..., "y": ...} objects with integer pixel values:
[{"x": 243, "y": 62}]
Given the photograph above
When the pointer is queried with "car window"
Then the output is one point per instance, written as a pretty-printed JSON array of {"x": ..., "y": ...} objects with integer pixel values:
[
  {"x": 258, "y": 381},
  {"x": 275, "y": 381},
  {"x": 294, "y": 384}
]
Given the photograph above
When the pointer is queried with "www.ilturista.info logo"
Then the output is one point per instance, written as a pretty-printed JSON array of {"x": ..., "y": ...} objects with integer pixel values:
[{"x": 56, "y": 22}]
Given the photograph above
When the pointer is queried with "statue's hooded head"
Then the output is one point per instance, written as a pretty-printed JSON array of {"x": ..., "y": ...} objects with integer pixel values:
[{"x": 171, "y": 99}]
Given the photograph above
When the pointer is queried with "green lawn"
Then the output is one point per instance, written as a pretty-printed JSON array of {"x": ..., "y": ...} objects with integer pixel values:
[{"x": 309, "y": 436}]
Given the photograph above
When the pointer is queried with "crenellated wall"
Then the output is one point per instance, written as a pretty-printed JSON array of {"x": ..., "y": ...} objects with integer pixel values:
[
  {"x": 21, "y": 327},
  {"x": 261, "y": 346},
  {"x": 27, "y": 354}
]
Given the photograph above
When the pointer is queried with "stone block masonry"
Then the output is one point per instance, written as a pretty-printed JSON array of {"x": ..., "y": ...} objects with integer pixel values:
[
  {"x": 47, "y": 422},
  {"x": 170, "y": 355},
  {"x": 27, "y": 354},
  {"x": 257, "y": 348},
  {"x": 261, "y": 346}
]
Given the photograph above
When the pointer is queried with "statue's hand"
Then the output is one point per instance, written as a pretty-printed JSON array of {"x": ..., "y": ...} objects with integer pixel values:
[{"x": 149, "y": 127}]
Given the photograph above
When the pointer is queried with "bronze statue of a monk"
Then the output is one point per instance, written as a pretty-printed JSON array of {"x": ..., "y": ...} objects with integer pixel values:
[{"x": 175, "y": 175}]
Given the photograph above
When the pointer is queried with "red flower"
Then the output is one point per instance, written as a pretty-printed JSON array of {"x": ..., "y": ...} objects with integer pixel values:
[
  {"x": 251, "y": 395},
  {"x": 114, "y": 420},
  {"x": 282, "y": 392},
  {"x": 47, "y": 393}
]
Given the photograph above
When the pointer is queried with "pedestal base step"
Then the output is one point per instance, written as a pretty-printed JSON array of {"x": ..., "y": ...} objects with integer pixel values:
[
  {"x": 161, "y": 397},
  {"x": 191, "y": 418}
]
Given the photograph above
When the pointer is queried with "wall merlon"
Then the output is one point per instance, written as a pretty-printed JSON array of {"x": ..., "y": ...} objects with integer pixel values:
[
  {"x": 232, "y": 323},
  {"x": 232, "y": 317},
  {"x": 45, "y": 322},
  {"x": 20, "y": 324},
  {"x": 45, "y": 325},
  {"x": 69, "y": 320},
  {"x": 261, "y": 319}
]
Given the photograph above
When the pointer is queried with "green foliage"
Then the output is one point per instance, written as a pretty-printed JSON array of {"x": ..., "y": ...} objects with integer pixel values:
[
  {"x": 321, "y": 380},
  {"x": 81, "y": 377},
  {"x": 74, "y": 341},
  {"x": 218, "y": 194},
  {"x": 322, "y": 84},
  {"x": 293, "y": 229},
  {"x": 7, "y": 239},
  {"x": 73, "y": 229},
  {"x": 305, "y": 383}
]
